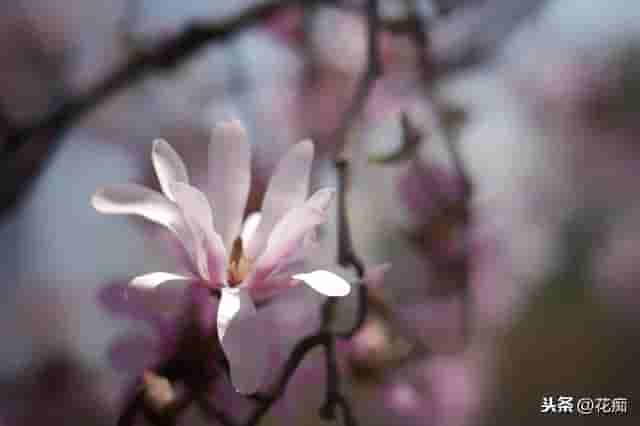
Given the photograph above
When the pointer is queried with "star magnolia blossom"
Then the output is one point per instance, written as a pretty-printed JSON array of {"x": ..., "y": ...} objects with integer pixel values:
[{"x": 247, "y": 262}]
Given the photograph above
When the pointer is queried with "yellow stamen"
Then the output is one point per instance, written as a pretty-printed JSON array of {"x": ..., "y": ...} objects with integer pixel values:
[{"x": 239, "y": 264}]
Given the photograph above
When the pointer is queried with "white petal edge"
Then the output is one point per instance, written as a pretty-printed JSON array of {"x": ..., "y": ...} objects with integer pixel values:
[
  {"x": 169, "y": 166},
  {"x": 242, "y": 337},
  {"x": 229, "y": 178},
  {"x": 288, "y": 189},
  {"x": 325, "y": 282},
  {"x": 159, "y": 292},
  {"x": 251, "y": 224},
  {"x": 131, "y": 198},
  {"x": 290, "y": 232},
  {"x": 154, "y": 279}
]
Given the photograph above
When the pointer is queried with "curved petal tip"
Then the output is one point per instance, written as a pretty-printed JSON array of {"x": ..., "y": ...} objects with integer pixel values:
[{"x": 326, "y": 283}]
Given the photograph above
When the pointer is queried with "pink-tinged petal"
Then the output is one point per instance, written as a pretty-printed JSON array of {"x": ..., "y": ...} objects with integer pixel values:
[
  {"x": 130, "y": 198},
  {"x": 211, "y": 256},
  {"x": 229, "y": 178},
  {"x": 138, "y": 200},
  {"x": 135, "y": 199},
  {"x": 194, "y": 205},
  {"x": 169, "y": 167},
  {"x": 290, "y": 232},
  {"x": 287, "y": 189},
  {"x": 296, "y": 263},
  {"x": 270, "y": 287},
  {"x": 242, "y": 337},
  {"x": 325, "y": 282},
  {"x": 249, "y": 228}
]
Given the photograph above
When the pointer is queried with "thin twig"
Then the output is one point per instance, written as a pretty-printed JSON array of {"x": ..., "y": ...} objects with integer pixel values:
[
  {"x": 347, "y": 415},
  {"x": 372, "y": 71},
  {"x": 297, "y": 356},
  {"x": 213, "y": 412},
  {"x": 346, "y": 252},
  {"x": 361, "y": 313}
]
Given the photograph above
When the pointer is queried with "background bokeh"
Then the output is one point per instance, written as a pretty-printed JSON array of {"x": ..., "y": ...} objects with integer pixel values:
[{"x": 545, "y": 101}]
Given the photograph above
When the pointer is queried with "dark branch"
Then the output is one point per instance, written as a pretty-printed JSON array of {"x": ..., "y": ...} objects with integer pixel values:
[
  {"x": 361, "y": 313},
  {"x": 346, "y": 252},
  {"x": 300, "y": 351},
  {"x": 167, "y": 54},
  {"x": 130, "y": 412},
  {"x": 347, "y": 416},
  {"x": 212, "y": 412},
  {"x": 372, "y": 71},
  {"x": 332, "y": 393}
]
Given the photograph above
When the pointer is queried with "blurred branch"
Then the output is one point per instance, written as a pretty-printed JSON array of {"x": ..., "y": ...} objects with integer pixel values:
[
  {"x": 167, "y": 54},
  {"x": 372, "y": 71},
  {"x": 213, "y": 412},
  {"x": 472, "y": 33},
  {"x": 346, "y": 252},
  {"x": 466, "y": 35},
  {"x": 460, "y": 39},
  {"x": 265, "y": 402},
  {"x": 174, "y": 51}
]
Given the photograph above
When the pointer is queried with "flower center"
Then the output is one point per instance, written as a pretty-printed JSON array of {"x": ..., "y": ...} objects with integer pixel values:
[{"x": 239, "y": 265}]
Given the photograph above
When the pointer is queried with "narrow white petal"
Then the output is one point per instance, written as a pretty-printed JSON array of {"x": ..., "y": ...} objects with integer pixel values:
[
  {"x": 229, "y": 178},
  {"x": 287, "y": 189},
  {"x": 138, "y": 200},
  {"x": 290, "y": 233},
  {"x": 154, "y": 279},
  {"x": 211, "y": 257},
  {"x": 249, "y": 228},
  {"x": 169, "y": 166},
  {"x": 159, "y": 292},
  {"x": 194, "y": 205},
  {"x": 325, "y": 282},
  {"x": 242, "y": 338}
]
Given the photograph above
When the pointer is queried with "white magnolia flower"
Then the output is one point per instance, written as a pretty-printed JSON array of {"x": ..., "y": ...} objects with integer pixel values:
[{"x": 248, "y": 262}]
